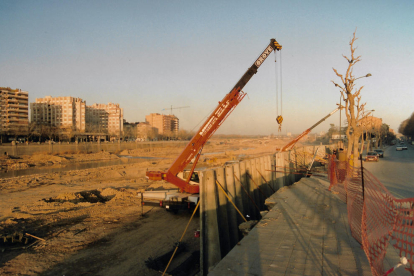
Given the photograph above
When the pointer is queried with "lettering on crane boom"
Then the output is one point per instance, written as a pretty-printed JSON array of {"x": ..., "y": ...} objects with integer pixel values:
[
  {"x": 263, "y": 56},
  {"x": 214, "y": 119},
  {"x": 207, "y": 126}
]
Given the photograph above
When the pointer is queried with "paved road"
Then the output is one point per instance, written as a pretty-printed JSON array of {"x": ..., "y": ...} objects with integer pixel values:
[{"x": 395, "y": 171}]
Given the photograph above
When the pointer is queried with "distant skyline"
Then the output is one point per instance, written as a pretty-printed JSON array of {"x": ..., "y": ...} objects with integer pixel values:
[{"x": 147, "y": 56}]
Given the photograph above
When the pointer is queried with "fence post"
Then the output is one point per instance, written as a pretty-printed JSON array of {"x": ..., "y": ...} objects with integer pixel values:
[
  {"x": 363, "y": 184},
  {"x": 142, "y": 204}
]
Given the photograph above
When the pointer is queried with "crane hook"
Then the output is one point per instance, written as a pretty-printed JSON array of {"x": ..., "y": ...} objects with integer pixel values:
[{"x": 279, "y": 120}]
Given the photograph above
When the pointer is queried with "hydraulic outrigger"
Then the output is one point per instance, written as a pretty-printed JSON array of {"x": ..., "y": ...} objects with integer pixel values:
[{"x": 195, "y": 146}]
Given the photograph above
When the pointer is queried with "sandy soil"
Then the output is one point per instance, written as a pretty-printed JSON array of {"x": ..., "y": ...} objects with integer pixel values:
[{"x": 91, "y": 222}]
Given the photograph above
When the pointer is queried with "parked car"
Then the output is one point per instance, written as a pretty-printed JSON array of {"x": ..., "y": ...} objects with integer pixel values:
[
  {"x": 380, "y": 153},
  {"x": 372, "y": 156},
  {"x": 399, "y": 148},
  {"x": 364, "y": 157}
]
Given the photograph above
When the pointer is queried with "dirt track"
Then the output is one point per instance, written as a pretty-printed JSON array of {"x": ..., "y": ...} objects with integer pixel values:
[{"x": 91, "y": 219}]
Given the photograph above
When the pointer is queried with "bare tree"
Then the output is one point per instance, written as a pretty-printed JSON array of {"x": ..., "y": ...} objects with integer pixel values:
[
  {"x": 352, "y": 98},
  {"x": 129, "y": 133},
  {"x": 377, "y": 132},
  {"x": 47, "y": 131},
  {"x": 33, "y": 130},
  {"x": 383, "y": 134},
  {"x": 366, "y": 124},
  {"x": 364, "y": 133},
  {"x": 152, "y": 134},
  {"x": 407, "y": 127},
  {"x": 185, "y": 135}
]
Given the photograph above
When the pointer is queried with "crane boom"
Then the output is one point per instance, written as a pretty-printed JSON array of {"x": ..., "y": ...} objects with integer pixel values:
[
  {"x": 213, "y": 122},
  {"x": 292, "y": 143}
]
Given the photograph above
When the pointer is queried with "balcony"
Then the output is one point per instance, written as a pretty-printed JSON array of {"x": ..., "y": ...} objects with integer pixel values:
[
  {"x": 15, "y": 97},
  {"x": 15, "y": 104}
]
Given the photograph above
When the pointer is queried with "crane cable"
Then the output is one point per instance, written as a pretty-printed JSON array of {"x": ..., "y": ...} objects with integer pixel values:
[
  {"x": 279, "y": 118},
  {"x": 182, "y": 236}
]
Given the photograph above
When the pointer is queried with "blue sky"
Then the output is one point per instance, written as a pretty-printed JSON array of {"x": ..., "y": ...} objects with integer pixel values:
[{"x": 150, "y": 55}]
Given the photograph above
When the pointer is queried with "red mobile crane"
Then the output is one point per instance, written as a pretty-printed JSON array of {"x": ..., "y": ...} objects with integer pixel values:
[
  {"x": 195, "y": 146},
  {"x": 292, "y": 143}
]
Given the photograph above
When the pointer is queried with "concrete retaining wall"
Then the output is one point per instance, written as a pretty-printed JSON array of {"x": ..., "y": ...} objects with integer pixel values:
[{"x": 244, "y": 184}]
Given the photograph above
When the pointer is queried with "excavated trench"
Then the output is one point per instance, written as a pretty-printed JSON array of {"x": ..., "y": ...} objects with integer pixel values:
[
  {"x": 183, "y": 264},
  {"x": 92, "y": 196}
]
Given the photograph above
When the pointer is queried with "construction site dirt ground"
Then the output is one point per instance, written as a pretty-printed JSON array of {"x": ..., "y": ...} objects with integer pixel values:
[{"x": 90, "y": 222}]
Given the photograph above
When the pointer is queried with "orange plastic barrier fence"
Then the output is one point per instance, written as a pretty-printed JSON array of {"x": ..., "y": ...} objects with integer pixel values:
[{"x": 376, "y": 218}]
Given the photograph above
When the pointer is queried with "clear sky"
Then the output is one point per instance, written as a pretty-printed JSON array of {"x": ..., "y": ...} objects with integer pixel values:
[{"x": 150, "y": 55}]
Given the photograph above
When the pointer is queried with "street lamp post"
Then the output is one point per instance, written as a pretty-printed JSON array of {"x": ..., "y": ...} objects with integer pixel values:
[
  {"x": 372, "y": 116},
  {"x": 340, "y": 121}
]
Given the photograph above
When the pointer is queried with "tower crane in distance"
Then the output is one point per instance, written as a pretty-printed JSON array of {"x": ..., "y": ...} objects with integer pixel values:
[{"x": 171, "y": 108}]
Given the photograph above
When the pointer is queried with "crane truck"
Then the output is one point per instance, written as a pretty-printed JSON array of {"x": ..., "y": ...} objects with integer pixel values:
[{"x": 188, "y": 194}]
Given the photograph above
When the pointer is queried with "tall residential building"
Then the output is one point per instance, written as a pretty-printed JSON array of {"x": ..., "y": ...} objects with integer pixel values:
[
  {"x": 14, "y": 111},
  {"x": 105, "y": 118},
  {"x": 166, "y": 124},
  {"x": 61, "y": 112}
]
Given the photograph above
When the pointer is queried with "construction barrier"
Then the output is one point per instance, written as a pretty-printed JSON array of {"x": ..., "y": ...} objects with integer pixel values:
[{"x": 377, "y": 219}]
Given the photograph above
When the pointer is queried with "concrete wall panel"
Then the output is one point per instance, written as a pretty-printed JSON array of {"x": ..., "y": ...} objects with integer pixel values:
[
  {"x": 247, "y": 204},
  {"x": 259, "y": 180},
  {"x": 234, "y": 217},
  {"x": 268, "y": 191},
  {"x": 254, "y": 193},
  {"x": 223, "y": 218},
  {"x": 210, "y": 252},
  {"x": 280, "y": 170},
  {"x": 256, "y": 185},
  {"x": 241, "y": 197}
]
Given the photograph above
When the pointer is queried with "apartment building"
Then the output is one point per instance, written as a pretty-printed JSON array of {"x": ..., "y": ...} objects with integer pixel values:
[
  {"x": 166, "y": 124},
  {"x": 14, "y": 111},
  {"x": 69, "y": 113},
  {"x": 62, "y": 112},
  {"x": 105, "y": 118}
]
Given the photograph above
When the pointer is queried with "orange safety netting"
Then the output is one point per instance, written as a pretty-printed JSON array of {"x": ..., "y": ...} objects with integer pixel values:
[{"x": 376, "y": 218}]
